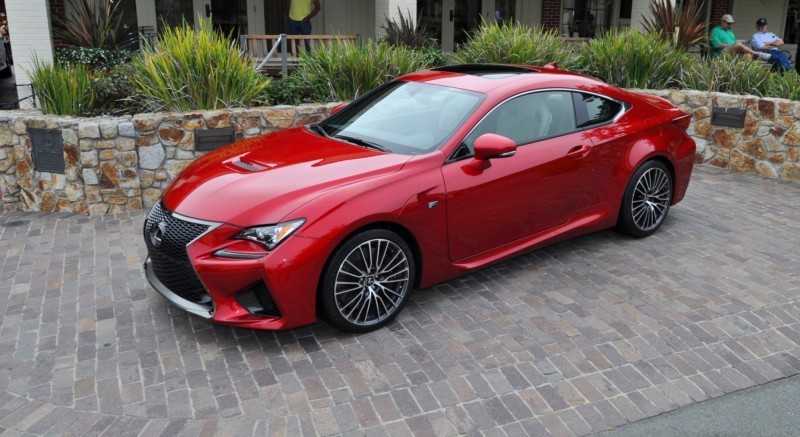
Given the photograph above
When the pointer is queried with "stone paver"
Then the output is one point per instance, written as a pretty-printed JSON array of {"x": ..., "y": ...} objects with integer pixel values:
[{"x": 575, "y": 338}]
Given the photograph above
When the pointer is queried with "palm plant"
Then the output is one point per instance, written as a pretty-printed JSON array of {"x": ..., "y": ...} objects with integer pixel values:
[
  {"x": 405, "y": 32},
  {"x": 682, "y": 24},
  {"x": 93, "y": 24}
]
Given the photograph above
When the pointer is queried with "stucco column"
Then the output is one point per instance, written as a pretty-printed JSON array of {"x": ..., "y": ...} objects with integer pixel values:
[
  {"x": 29, "y": 26},
  {"x": 389, "y": 8}
]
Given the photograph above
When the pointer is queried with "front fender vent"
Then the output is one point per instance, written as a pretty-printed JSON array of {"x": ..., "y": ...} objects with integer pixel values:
[{"x": 248, "y": 166}]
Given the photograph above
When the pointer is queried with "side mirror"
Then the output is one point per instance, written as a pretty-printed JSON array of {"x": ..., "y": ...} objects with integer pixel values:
[
  {"x": 338, "y": 108},
  {"x": 488, "y": 146}
]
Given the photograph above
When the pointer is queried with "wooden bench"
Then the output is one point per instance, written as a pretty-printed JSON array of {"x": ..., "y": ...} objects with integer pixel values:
[{"x": 273, "y": 52}]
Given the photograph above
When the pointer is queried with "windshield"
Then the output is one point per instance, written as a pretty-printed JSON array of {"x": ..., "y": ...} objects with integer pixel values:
[{"x": 403, "y": 117}]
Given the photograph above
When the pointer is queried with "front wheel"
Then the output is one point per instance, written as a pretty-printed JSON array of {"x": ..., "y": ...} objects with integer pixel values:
[
  {"x": 646, "y": 201},
  {"x": 367, "y": 281}
]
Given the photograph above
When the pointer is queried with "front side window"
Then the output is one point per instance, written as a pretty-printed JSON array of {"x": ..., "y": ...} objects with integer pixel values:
[
  {"x": 404, "y": 117},
  {"x": 528, "y": 118}
]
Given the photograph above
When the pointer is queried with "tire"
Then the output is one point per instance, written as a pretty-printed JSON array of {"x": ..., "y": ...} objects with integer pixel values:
[
  {"x": 367, "y": 281},
  {"x": 646, "y": 201}
]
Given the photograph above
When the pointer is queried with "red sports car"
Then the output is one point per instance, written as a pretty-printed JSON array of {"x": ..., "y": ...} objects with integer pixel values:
[{"x": 425, "y": 178}]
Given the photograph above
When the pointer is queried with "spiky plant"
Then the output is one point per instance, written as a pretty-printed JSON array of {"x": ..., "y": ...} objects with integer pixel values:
[
  {"x": 727, "y": 73},
  {"x": 186, "y": 70},
  {"x": 682, "y": 24},
  {"x": 62, "y": 89},
  {"x": 513, "y": 43},
  {"x": 405, "y": 32},
  {"x": 93, "y": 24}
]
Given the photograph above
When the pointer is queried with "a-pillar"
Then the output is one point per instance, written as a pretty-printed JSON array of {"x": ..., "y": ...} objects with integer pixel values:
[
  {"x": 29, "y": 27},
  {"x": 392, "y": 9}
]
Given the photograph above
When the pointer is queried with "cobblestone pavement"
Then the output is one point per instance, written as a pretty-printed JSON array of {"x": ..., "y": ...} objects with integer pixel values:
[{"x": 572, "y": 339}]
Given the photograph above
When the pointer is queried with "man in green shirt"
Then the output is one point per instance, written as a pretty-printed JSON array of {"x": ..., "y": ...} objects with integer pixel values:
[{"x": 722, "y": 39}]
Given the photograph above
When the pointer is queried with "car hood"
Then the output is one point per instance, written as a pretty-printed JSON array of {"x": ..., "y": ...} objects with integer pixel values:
[{"x": 263, "y": 179}]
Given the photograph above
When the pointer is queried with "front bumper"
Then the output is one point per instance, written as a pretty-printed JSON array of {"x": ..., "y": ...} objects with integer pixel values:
[
  {"x": 289, "y": 274},
  {"x": 204, "y": 311}
]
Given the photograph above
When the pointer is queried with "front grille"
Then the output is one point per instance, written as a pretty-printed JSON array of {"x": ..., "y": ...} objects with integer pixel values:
[{"x": 170, "y": 260}]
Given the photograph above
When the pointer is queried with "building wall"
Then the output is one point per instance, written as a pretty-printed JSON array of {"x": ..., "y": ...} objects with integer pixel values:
[
  {"x": 392, "y": 10},
  {"x": 551, "y": 14},
  {"x": 29, "y": 27}
]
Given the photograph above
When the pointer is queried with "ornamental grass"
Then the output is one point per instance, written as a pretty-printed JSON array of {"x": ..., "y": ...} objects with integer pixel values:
[
  {"x": 514, "y": 43},
  {"x": 343, "y": 71},
  {"x": 631, "y": 59},
  {"x": 186, "y": 70},
  {"x": 62, "y": 89}
]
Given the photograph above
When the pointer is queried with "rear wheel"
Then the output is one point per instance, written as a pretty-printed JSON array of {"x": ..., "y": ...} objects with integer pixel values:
[
  {"x": 646, "y": 201},
  {"x": 367, "y": 281}
]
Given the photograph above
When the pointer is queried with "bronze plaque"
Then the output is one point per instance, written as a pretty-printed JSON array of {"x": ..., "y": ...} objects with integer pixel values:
[{"x": 48, "y": 150}]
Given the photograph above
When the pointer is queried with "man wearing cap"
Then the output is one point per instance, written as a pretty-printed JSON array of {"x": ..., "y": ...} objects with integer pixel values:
[
  {"x": 722, "y": 39},
  {"x": 768, "y": 42}
]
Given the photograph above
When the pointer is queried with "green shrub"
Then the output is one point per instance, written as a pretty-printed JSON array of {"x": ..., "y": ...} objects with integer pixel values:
[
  {"x": 784, "y": 86},
  {"x": 92, "y": 57},
  {"x": 62, "y": 90},
  {"x": 187, "y": 70},
  {"x": 728, "y": 74},
  {"x": 343, "y": 71},
  {"x": 510, "y": 43},
  {"x": 432, "y": 56},
  {"x": 631, "y": 59},
  {"x": 114, "y": 91},
  {"x": 289, "y": 91}
]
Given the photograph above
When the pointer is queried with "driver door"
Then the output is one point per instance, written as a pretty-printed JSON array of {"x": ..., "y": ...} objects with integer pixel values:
[{"x": 518, "y": 196}]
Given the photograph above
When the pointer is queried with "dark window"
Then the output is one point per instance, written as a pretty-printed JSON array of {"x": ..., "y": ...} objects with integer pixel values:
[{"x": 594, "y": 110}]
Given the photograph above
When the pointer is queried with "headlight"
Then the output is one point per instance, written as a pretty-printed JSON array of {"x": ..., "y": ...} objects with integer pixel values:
[{"x": 272, "y": 235}]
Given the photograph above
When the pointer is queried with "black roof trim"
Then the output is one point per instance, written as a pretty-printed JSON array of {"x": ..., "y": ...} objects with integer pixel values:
[{"x": 486, "y": 69}]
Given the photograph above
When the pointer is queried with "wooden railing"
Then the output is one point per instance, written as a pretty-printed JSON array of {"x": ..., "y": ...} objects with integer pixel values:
[{"x": 271, "y": 52}]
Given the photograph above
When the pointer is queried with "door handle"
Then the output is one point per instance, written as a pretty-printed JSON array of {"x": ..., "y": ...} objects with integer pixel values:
[
  {"x": 579, "y": 152},
  {"x": 208, "y": 10}
]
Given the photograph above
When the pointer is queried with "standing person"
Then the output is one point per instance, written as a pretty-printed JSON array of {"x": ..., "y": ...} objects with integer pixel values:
[
  {"x": 722, "y": 39},
  {"x": 768, "y": 42},
  {"x": 300, "y": 13}
]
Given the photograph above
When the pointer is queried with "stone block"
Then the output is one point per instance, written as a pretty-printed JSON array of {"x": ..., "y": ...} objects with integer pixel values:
[
  {"x": 86, "y": 145},
  {"x": 89, "y": 159},
  {"x": 697, "y": 98},
  {"x": 126, "y": 129},
  {"x": 107, "y": 154},
  {"x": 170, "y": 134},
  {"x": 96, "y": 209},
  {"x": 174, "y": 168},
  {"x": 218, "y": 119},
  {"x": 69, "y": 136},
  {"x": 105, "y": 144},
  {"x": 109, "y": 175},
  {"x": 152, "y": 157},
  {"x": 108, "y": 130},
  {"x": 724, "y": 138},
  {"x": 126, "y": 144},
  {"x": 742, "y": 163},
  {"x": 127, "y": 159},
  {"x": 88, "y": 130},
  {"x": 90, "y": 176},
  {"x": 792, "y": 136},
  {"x": 74, "y": 191},
  {"x": 791, "y": 172},
  {"x": 146, "y": 122}
]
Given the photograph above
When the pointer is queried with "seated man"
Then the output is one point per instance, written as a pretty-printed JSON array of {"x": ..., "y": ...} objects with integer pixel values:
[
  {"x": 722, "y": 39},
  {"x": 768, "y": 42}
]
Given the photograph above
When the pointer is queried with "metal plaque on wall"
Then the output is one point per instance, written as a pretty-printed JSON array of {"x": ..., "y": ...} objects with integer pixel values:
[
  {"x": 48, "y": 150},
  {"x": 210, "y": 139}
]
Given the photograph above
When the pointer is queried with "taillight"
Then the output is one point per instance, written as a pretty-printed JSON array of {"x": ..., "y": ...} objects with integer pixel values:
[{"x": 683, "y": 121}]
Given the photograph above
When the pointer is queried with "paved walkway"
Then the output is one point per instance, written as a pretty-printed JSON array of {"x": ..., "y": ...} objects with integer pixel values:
[{"x": 576, "y": 338}]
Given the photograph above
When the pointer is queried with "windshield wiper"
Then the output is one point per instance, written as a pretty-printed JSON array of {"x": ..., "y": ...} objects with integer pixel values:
[
  {"x": 362, "y": 142},
  {"x": 318, "y": 129}
]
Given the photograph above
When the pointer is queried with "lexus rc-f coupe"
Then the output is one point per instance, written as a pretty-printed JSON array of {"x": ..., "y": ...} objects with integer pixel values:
[{"x": 422, "y": 179}]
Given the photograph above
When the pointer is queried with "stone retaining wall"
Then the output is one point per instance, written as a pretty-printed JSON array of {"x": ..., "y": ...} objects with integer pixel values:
[
  {"x": 120, "y": 164},
  {"x": 768, "y": 145},
  {"x": 123, "y": 163}
]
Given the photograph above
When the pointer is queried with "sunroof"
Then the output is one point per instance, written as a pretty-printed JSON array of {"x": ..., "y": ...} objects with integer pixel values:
[{"x": 489, "y": 71}]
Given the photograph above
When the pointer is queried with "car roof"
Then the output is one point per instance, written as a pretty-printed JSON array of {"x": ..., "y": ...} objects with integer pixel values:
[{"x": 486, "y": 78}]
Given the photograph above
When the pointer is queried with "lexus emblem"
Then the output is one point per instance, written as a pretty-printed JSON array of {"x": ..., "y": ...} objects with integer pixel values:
[{"x": 157, "y": 233}]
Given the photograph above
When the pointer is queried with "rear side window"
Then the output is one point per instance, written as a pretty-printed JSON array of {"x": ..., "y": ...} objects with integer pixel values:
[{"x": 592, "y": 110}]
